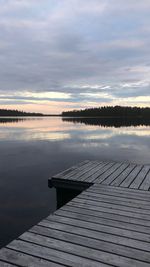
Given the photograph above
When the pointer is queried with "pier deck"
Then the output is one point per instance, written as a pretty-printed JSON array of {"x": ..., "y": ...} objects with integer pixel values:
[
  {"x": 117, "y": 174},
  {"x": 108, "y": 224}
]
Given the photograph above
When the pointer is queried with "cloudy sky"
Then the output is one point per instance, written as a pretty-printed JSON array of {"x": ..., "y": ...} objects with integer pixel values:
[{"x": 59, "y": 55}]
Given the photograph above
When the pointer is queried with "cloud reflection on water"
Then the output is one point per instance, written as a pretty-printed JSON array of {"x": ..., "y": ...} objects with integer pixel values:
[{"x": 54, "y": 129}]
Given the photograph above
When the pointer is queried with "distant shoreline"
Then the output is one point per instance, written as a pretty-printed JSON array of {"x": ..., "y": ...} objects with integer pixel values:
[
  {"x": 110, "y": 112},
  {"x": 36, "y": 116},
  {"x": 17, "y": 113},
  {"x": 76, "y": 117},
  {"x": 106, "y": 112}
]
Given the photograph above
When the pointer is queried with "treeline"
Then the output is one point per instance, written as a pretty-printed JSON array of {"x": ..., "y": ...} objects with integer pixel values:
[
  {"x": 109, "y": 111},
  {"x": 17, "y": 113}
]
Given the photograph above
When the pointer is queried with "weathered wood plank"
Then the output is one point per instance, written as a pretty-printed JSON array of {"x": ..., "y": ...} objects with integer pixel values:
[
  {"x": 90, "y": 202},
  {"x": 115, "y": 174},
  {"x": 92, "y": 243},
  {"x": 99, "y": 172},
  {"x": 123, "y": 175},
  {"x": 105, "y": 221},
  {"x": 84, "y": 175},
  {"x": 106, "y": 214},
  {"x": 50, "y": 254},
  {"x": 4, "y": 264},
  {"x": 79, "y": 171},
  {"x": 90, "y": 174},
  {"x": 139, "y": 195},
  {"x": 146, "y": 183},
  {"x": 78, "y": 175},
  {"x": 111, "y": 230},
  {"x": 116, "y": 200},
  {"x": 69, "y": 170},
  {"x": 24, "y": 260},
  {"x": 144, "y": 217},
  {"x": 132, "y": 175},
  {"x": 124, "y": 195},
  {"x": 103, "y": 176},
  {"x": 120, "y": 189},
  {"x": 140, "y": 177},
  {"x": 127, "y": 192},
  {"x": 95, "y": 255}
]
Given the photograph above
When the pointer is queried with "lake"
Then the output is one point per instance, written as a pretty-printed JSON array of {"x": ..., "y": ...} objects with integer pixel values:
[{"x": 33, "y": 149}]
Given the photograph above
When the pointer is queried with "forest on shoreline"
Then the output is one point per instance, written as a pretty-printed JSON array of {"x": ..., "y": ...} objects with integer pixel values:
[
  {"x": 101, "y": 112},
  {"x": 110, "y": 111},
  {"x": 17, "y": 113}
]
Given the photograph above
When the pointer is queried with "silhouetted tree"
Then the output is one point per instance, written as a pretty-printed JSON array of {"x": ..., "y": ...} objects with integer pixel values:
[
  {"x": 14, "y": 113},
  {"x": 109, "y": 111}
]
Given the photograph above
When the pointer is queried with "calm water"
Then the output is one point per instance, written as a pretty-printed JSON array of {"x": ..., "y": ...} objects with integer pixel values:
[{"x": 32, "y": 150}]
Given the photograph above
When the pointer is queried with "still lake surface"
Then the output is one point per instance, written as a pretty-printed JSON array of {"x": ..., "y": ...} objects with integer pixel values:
[{"x": 33, "y": 149}]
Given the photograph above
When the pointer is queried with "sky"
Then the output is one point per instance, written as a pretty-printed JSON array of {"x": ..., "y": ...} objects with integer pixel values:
[{"x": 58, "y": 55}]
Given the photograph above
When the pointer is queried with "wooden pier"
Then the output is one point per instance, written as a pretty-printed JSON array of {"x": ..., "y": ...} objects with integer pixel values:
[{"x": 107, "y": 224}]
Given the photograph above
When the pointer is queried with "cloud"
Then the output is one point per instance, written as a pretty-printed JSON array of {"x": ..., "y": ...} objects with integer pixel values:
[{"x": 83, "y": 52}]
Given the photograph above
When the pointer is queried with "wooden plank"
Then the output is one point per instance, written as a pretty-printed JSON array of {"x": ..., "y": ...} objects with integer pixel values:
[
  {"x": 107, "y": 200},
  {"x": 93, "y": 171},
  {"x": 116, "y": 200},
  {"x": 129, "y": 211},
  {"x": 24, "y": 260},
  {"x": 58, "y": 256},
  {"x": 146, "y": 183},
  {"x": 69, "y": 170},
  {"x": 128, "y": 180},
  {"x": 86, "y": 173},
  {"x": 107, "y": 215},
  {"x": 120, "y": 191},
  {"x": 115, "y": 174},
  {"x": 123, "y": 175},
  {"x": 122, "y": 194},
  {"x": 103, "y": 176},
  {"x": 95, "y": 255},
  {"x": 140, "y": 177},
  {"x": 4, "y": 264},
  {"x": 92, "y": 243},
  {"x": 99, "y": 172},
  {"x": 136, "y": 192},
  {"x": 111, "y": 205},
  {"x": 107, "y": 229},
  {"x": 127, "y": 192},
  {"x": 76, "y": 173},
  {"x": 100, "y": 219},
  {"x": 111, "y": 210}
]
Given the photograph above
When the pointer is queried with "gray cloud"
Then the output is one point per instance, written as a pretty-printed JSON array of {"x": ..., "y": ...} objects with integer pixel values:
[{"x": 71, "y": 46}]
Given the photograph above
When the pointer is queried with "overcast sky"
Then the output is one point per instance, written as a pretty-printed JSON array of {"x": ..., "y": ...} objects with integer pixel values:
[{"x": 58, "y": 55}]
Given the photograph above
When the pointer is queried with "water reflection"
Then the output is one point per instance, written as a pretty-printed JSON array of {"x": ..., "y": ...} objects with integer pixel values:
[
  {"x": 81, "y": 136},
  {"x": 10, "y": 120},
  {"x": 110, "y": 122},
  {"x": 32, "y": 150},
  {"x": 27, "y": 128}
]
